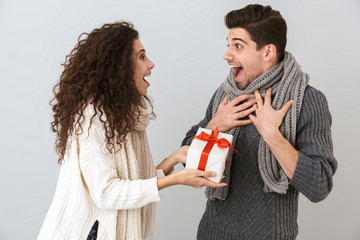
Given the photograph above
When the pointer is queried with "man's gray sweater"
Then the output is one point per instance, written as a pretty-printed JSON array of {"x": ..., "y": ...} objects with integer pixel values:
[{"x": 250, "y": 213}]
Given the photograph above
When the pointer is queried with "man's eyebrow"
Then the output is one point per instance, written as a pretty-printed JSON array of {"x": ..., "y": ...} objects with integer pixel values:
[{"x": 238, "y": 39}]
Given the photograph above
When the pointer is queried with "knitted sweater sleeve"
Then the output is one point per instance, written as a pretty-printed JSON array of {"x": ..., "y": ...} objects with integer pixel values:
[
  {"x": 316, "y": 163},
  {"x": 208, "y": 116},
  {"x": 98, "y": 170}
]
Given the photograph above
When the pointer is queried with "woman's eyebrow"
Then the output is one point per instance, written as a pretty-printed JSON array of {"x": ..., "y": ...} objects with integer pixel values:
[{"x": 141, "y": 50}]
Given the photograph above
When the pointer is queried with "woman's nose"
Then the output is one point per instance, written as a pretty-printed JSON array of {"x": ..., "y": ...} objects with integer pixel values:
[{"x": 151, "y": 64}]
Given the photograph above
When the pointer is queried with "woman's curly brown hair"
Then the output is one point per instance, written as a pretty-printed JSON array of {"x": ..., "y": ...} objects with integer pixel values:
[{"x": 99, "y": 70}]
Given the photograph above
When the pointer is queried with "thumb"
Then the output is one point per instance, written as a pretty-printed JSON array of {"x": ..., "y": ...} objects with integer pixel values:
[
  {"x": 286, "y": 107},
  {"x": 226, "y": 99}
]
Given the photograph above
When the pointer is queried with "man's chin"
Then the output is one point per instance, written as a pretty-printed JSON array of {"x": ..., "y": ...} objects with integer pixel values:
[{"x": 241, "y": 85}]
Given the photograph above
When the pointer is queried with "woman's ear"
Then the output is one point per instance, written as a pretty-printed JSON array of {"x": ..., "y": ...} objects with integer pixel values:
[{"x": 270, "y": 52}]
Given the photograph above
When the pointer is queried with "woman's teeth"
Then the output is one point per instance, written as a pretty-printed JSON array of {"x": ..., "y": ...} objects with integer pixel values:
[{"x": 147, "y": 77}]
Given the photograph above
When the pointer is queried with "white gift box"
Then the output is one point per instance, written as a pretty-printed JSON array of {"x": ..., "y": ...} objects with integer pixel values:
[{"x": 217, "y": 156}]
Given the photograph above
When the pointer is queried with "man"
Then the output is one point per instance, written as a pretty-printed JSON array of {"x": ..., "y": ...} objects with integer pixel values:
[{"x": 281, "y": 129}]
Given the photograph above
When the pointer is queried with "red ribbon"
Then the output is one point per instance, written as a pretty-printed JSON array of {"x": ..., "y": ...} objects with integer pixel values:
[{"x": 212, "y": 139}]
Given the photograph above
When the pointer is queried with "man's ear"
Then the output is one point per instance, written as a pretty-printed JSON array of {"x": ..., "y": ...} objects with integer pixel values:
[{"x": 270, "y": 53}]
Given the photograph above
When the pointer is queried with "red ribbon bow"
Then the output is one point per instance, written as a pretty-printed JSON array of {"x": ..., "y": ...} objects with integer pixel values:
[{"x": 212, "y": 139}]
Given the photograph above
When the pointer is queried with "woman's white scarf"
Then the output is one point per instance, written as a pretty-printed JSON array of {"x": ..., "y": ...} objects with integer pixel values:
[
  {"x": 138, "y": 164},
  {"x": 288, "y": 82}
]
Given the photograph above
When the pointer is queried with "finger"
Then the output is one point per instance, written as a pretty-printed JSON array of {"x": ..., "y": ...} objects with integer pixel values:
[
  {"x": 252, "y": 118},
  {"x": 226, "y": 99},
  {"x": 214, "y": 184},
  {"x": 268, "y": 97},
  {"x": 286, "y": 107},
  {"x": 245, "y": 112},
  {"x": 258, "y": 98},
  {"x": 243, "y": 122},
  {"x": 245, "y": 105},
  {"x": 239, "y": 99},
  {"x": 207, "y": 173},
  {"x": 185, "y": 148}
]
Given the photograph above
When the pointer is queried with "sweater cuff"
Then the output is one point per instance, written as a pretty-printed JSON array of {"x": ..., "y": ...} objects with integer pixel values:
[
  {"x": 152, "y": 190},
  {"x": 303, "y": 172},
  {"x": 159, "y": 173}
]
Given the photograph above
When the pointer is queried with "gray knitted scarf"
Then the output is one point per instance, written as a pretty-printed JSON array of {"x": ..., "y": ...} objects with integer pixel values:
[{"x": 288, "y": 82}]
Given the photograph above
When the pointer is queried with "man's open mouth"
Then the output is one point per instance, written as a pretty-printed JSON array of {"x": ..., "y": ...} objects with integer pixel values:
[{"x": 237, "y": 71}]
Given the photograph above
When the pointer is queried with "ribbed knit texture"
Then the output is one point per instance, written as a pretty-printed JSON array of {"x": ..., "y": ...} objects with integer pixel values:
[
  {"x": 287, "y": 82},
  {"x": 138, "y": 223},
  {"x": 94, "y": 184},
  {"x": 250, "y": 213}
]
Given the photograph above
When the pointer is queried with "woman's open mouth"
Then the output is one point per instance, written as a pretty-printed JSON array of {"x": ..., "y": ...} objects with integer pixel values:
[{"x": 147, "y": 77}]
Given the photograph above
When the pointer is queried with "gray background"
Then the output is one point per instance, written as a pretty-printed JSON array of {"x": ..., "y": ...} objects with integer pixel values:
[{"x": 186, "y": 40}]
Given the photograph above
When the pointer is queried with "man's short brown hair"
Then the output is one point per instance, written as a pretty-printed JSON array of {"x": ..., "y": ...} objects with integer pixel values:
[{"x": 264, "y": 25}]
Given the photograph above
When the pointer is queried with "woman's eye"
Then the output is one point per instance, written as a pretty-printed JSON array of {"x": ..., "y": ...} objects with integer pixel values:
[
  {"x": 142, "y": 57},
  {"x": 237, "y": 45}
]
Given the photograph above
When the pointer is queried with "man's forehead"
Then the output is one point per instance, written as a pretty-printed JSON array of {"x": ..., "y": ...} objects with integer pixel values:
[{"x": 237, "y": 33}]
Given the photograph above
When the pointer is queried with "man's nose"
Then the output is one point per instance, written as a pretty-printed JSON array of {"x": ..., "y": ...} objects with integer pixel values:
[{"x": 227, "y": 55}]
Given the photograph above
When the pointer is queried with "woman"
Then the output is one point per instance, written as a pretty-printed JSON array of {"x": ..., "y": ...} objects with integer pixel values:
[{"x": 101, "y": 111}]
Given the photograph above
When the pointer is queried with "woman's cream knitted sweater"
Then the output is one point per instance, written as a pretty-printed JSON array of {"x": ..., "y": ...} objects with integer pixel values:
[{"x": 117, "y": 189}]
